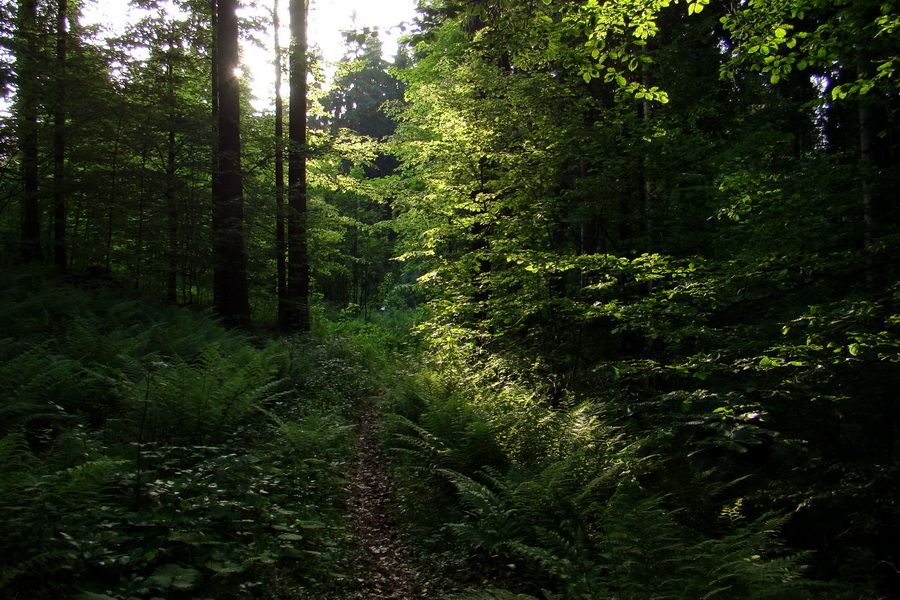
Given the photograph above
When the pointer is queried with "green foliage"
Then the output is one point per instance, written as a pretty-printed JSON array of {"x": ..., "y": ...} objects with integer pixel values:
[
  {"x": 815, "y": 36},
  {"x": 149, "y": 451},
  {"x": 685, "y": 294},
  {"x": 658, "y": 246},
  {"x": 584, "y": 526},
  {"x": 215, "y": 389},
  {"x": 492, "y": 594}
]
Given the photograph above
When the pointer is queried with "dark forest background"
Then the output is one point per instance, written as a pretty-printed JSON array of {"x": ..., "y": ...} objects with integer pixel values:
[{"x": 620, "y": 276}]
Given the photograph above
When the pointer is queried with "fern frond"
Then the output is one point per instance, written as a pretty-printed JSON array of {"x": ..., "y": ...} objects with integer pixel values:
[
  {"x": 493, "y": 520},
  {"x": 415, "y": 438},
  {"x": 35, "y": 385},
  {"x": 477, "y": 497}
]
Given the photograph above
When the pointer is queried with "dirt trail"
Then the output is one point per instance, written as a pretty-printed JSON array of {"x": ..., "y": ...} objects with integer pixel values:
[{"x": 386, "y": 568}]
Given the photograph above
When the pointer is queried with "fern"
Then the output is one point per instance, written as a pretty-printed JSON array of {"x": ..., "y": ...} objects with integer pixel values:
[
  {"x": 193, "y": 401},
  {"x": 442, "y": 431},
  {"x": 35, "y": 386},
  {"x": 43, "y": 509},
  {"x": 480, "y": 500},
  {"x": 136, "y": 443},
  {"x": 579, "y": 571},
  {"x": 317, "y": 438},
  {"x": 16, "y": 466},
  {"x": 748, "y": 564},
  {"x": 185, "y": 334},
  {"x": 416, "y": 443}
]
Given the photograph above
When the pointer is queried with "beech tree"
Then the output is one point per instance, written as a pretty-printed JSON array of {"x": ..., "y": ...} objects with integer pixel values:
[
  {"x": 359, "y": 107},
  {"x": 633, "y": 201},
  {"x": 851, "y": 49}
]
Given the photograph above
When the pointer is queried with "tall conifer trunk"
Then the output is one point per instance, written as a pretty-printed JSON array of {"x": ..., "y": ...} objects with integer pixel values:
[
  {"x": 280, "y": 241},
  {"x": 171, "y": 217},
  {"x": 230, "y": 288},
  {"x": 214, "y": 84},
  {"x": 28, "y": 128},
  {"x": 297, "y": 305},
  {"x": 59, "y": 140}
]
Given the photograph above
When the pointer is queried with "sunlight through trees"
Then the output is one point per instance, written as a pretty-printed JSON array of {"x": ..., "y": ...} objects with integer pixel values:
[{"x": 615, "y": 282}]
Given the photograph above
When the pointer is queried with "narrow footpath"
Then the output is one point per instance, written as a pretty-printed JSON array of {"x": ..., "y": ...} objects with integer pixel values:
[{"x": 386, "y": 568}]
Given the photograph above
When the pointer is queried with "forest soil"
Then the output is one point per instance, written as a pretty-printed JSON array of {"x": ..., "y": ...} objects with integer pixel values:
[{"x": 387, "y": 566}]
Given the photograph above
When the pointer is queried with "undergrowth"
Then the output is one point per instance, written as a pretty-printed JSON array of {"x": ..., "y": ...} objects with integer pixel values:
[
  {"x": 565, "y": 502},
  {"x": 149, "y": 452}
]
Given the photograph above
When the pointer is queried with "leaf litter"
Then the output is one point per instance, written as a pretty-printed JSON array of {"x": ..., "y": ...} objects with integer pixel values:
[{"x": 386, "y": 567}]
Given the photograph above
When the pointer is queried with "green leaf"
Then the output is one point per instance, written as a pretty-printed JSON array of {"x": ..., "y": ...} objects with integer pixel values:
[
  {"x": 224, "y": 567},
  {"x": 175, "y": 576},
  {"x": 311, "y": 524}
]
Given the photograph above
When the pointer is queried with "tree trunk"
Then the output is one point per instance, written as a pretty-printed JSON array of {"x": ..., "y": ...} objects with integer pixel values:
[
  {"x": 214, "y": 104},
  {"x": 113, "y": 196},
  {"x": 876, "y": 191},
  {"x": 297, "y": 305},
  {"x": 28, "y": 129},
  {"x": 280, "y": 241},
  {"x": 138, "y": 250},
  {"x": 171, "y": 283},
  {"x": 230, "y": 288},
  {"x": 59, "y": 140},
  {"x": 171, "y": 217},
  {"x": 874, "y": 153}
]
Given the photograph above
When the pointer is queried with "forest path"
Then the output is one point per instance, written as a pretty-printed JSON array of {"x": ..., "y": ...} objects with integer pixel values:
[{"x": 386, "y": 567}]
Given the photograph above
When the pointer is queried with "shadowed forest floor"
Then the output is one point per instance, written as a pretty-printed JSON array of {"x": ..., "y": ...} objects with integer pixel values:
[
  {"x": 386, "y": 567},
  {"x": 387, "y": 560},
  {"x": 149, "y": 452}
]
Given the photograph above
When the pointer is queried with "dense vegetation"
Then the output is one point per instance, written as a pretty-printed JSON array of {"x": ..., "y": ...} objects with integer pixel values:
[
  {"x": 149, "y": 451},
  {"x": 621, "y": 277}
]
